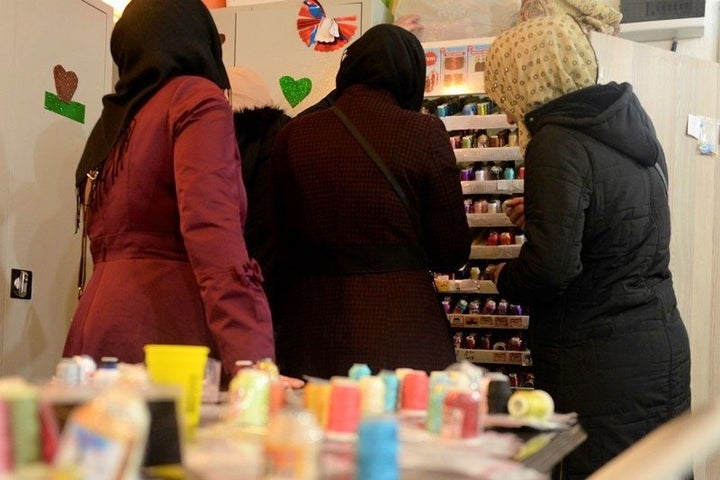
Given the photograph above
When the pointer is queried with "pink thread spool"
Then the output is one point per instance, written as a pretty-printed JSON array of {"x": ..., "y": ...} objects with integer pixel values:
[
  {"x": 415, "y": 391},
  {"x": 344, "y": 409}
]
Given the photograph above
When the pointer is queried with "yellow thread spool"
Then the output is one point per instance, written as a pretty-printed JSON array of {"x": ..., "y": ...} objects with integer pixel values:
[{"x": 531, "y": 405}]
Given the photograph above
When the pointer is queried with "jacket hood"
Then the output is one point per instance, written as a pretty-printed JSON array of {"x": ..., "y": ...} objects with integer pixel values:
[
  {"x": 253, "y": 124},
  {"x": 610, "y": 113}
]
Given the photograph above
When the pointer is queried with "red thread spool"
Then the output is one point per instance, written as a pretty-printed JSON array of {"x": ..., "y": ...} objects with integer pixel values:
[
  {"x": 415, "y": 391},
  {"x": 344, "y": 409},
  {"x": 461, "y": 414}
]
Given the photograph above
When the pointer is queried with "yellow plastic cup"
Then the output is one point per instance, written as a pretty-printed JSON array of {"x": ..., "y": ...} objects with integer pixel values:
[{"x": 181, "y": 366}]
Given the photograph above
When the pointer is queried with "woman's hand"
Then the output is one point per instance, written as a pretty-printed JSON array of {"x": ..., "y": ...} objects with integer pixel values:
[
  {"x": 495, "y": 272},
  {"x": 291, "y": 382},
  {"x": 515, "y": 211}
]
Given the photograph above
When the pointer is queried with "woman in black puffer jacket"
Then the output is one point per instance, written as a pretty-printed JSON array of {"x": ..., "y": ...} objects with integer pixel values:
[{"x": 606, "y": 336}]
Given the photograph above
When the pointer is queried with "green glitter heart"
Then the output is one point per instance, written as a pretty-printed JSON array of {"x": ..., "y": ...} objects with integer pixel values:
[{"x": 293, "y": 90}]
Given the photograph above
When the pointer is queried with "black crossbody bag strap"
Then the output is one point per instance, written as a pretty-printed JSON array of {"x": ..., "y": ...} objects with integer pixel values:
[{"x": 380, "y": 164}]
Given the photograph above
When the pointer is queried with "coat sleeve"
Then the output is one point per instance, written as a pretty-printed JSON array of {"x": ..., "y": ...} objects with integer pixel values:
[
  {"x": 445, "y": 231},
  {"x": 557, "y": 194},
  {"x": 212, "y": 206}
]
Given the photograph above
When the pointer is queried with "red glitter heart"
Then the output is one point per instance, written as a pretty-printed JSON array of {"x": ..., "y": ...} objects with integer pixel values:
[{"x": 65, "y": 83}]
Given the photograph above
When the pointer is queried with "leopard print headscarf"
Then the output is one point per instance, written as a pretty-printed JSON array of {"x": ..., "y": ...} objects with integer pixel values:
[
  {"x": 536, "y": 61},
  {"x": 591, "y": 14}
]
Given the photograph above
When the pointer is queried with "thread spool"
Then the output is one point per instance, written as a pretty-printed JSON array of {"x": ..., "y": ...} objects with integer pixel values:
[
  {"x": 377, "y": 449},
  {"x": 6, "y": 459},
  {"x": 461, "y": 414},
  {"x": 415, "y": 392},
  {"x": 499, "y": 393},
  {"x": 358, "y": 371},
  {"x": 531, "y": 405},
  {"x": 25, "y": 439},
  {"x": 293, "y": 445},
  {"x": 68, "y": 372},
  {"x": 372, "y": 390},
  {"x": 249, "y": 398},
  {"x": 344, "y": 409},
  {"x": 391, "y": 390},
  {"x": 316, "y": 398},
  {"x": 434, "y": 418}
]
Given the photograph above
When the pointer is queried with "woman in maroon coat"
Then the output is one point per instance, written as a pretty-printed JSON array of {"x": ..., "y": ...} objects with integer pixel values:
[
  {"x": 357, "y": 286},
  {"x": 167, "y": 211}
]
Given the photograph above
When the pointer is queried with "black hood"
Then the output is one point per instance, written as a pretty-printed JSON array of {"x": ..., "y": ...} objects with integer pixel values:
[
  {"x": 254, "y": 124},
  {"x": 255, "y": 131},
  {"x": 609, "y": 113}
]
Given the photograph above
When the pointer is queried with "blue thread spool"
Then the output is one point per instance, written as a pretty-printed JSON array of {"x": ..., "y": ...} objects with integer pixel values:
[
  {"x": 358, "y": 371},
  {"x": 391, "y": 389},
  {"x": 377, "y": 449}
]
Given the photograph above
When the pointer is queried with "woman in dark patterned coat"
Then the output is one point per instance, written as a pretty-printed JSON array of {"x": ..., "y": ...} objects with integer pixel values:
[
  {"x": 357, "y": 286},
  {"x": 606, "y": 336}
]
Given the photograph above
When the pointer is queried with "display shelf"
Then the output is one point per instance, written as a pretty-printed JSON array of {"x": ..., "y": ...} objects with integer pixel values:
[
  {"x": 494, "y": 252},
  {"x": 475, "y": 122},
  {"x": 489, "y": 154},
  {"x": 467, "y": 286},
  {"x": 494, "y": 191},
  {"x": 488, "y": 220},
  {"x": 498, "y": 187},
  {"x": 458, "y": 320},
  {"x": 506, "y": 357}
]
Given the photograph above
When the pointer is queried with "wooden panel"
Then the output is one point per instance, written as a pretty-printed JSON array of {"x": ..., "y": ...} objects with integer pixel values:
[{"x": 671, "y": 86}]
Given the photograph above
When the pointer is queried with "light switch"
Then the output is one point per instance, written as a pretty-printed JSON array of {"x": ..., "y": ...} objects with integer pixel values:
[{"x": 20, "y": 284}]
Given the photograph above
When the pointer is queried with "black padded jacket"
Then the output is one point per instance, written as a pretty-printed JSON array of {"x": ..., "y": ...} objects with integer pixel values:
[{"x": 606, "y": 336}]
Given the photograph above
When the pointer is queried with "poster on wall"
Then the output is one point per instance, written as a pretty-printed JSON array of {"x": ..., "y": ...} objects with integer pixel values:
[{"x": 455, "y": 68}]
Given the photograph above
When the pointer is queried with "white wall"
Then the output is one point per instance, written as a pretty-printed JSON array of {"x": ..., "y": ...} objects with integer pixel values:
[{"x": 705, "y": 48}]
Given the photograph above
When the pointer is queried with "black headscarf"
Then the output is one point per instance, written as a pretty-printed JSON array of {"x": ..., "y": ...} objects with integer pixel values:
[
  {"x": 386, "y": 57},
  {"x": 154, "y": 41}
]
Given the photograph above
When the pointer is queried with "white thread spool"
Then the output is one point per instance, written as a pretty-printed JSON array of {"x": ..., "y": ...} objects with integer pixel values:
[{"x": 372, "y": 391}]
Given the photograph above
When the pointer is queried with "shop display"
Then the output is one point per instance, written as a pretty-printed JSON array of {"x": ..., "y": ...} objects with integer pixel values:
[
  {"x": 487, "y": 330},
  {"x": 324, "y": 430}
]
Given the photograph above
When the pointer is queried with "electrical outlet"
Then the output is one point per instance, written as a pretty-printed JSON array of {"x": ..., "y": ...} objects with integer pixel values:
[{"x": 20, "y": 284}]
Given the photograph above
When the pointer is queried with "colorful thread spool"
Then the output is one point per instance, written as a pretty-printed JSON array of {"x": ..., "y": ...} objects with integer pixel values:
[
  {"x": 372, "y": 390},
  {"x": 377, "y": 449},
  {"x": 293, "y": 445},
  {"x": 344, "y": 409},
  {"x": 415, "y": 391},
  {"x": 391, "y": 390},
  {"x": 434, "y": 418},
  {"x": 461, "y": 414},
  {"x": 6, "y": 452},
  {"x": 249, "y": 398},
  {"x": 316, "y": 398},
  {"x": 358, "y": 371},
  {"x": 531, "y": 405}
]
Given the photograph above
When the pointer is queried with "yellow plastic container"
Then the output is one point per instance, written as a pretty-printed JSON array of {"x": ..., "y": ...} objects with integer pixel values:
[{"x": 182, "y": 366}]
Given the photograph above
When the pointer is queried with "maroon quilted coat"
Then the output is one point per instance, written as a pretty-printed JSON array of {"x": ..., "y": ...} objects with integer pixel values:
[
  {"x": 333, "y": 204},
  {"x": 170, "y": 262}
]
